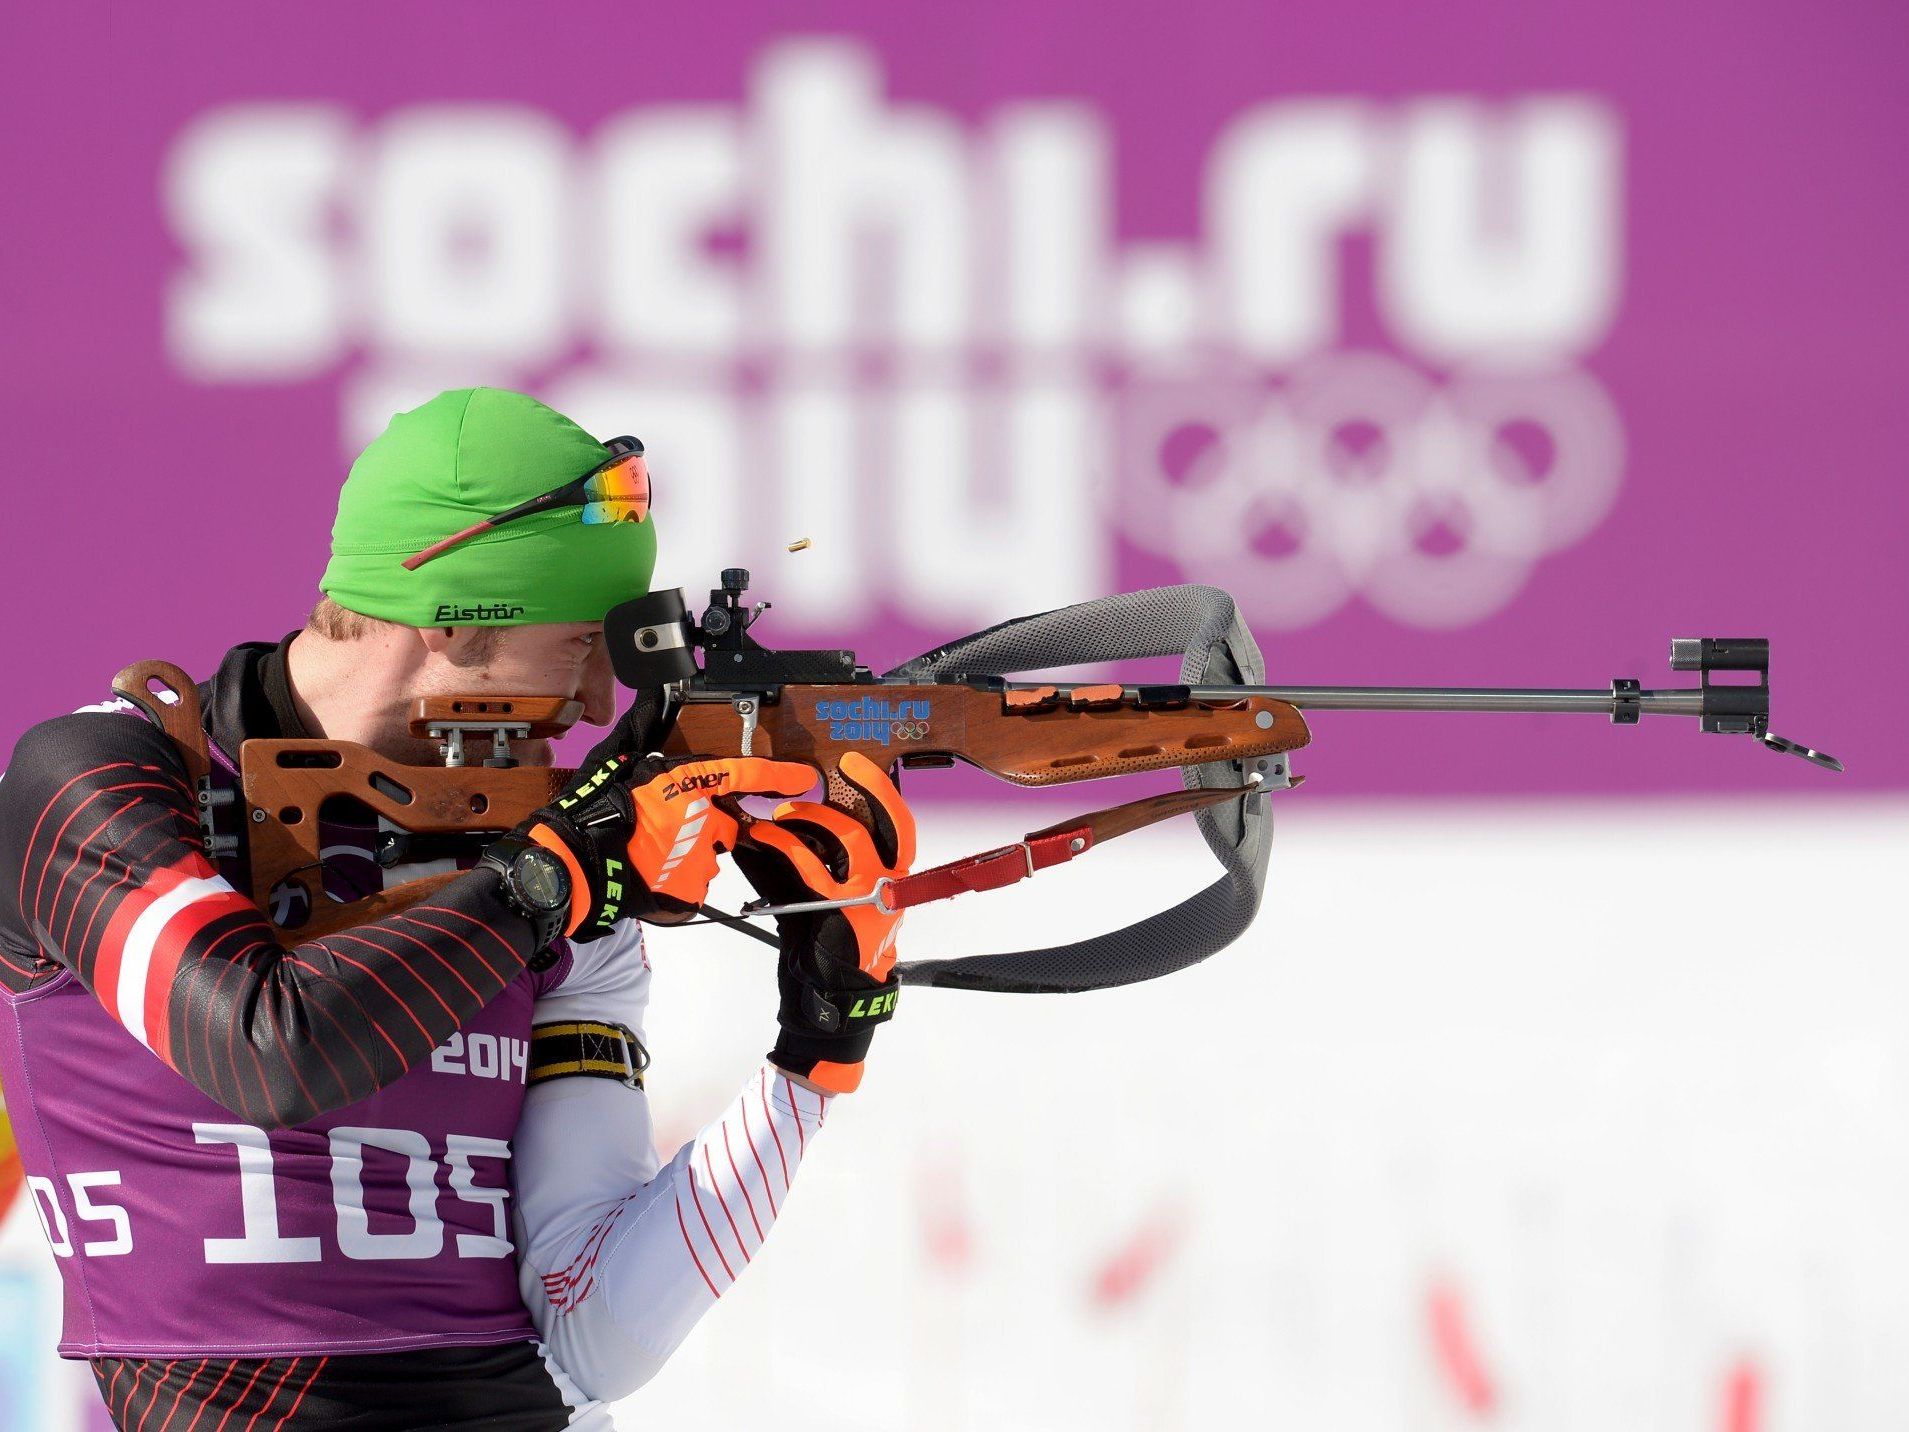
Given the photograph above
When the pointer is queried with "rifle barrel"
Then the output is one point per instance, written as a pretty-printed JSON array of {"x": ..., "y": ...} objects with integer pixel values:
[{"x": 1684, "y": 702}]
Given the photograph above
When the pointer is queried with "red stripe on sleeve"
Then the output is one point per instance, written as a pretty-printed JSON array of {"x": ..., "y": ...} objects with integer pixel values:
[
  {"x": 112, "y": 942},
  {"x": 170, "y": 946},
  {"x": 795, "y": 1107},
  {"x": 312, "y": 969},
  {"x": 723, "y": 1203},
  {"x": 79, "y": 898},
  {"x": 182, "y": 1392},
  {"x": 283, "y": 1378},
  {"x": 697, "y": 1197},
  {"x": 690, "y": 1244},
  {"x": 781, "y": 1157},
  {"x": 431, "y": 1041},
  {"x": 398, "y": 963},
  {"x": 158, "y": 1387},
  {"x": 291, "y": 1411},
  {"x": 749, "y": 1134},
  {"x": 244, "y": 1393},
  {"x": 26, "y": 866},
  {"x": 211, "y": 1397},
  {"x": 740, "y": 1182}
]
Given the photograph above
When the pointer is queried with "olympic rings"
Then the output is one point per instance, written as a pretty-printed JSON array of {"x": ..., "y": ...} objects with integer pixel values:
[{"x": 1362, "y": 476}]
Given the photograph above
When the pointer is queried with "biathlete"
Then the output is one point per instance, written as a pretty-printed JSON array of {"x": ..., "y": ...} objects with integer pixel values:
[{"x": 403, "y": 1175}]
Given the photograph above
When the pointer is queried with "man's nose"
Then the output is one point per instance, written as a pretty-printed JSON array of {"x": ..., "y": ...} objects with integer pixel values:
[{"x": 598, "y": 692}]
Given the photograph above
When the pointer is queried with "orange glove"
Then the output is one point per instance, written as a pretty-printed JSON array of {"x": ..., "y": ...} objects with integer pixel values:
[
  {"x": 837, "y": 966},
  {"x": 640, "y": 837}
]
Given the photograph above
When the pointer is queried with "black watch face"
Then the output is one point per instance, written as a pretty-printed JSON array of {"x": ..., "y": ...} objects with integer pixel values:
[{"x": 542, "y": 882}]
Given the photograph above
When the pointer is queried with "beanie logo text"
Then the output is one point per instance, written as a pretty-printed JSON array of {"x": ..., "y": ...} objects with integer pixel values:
[{"x": 482, "y": 612}]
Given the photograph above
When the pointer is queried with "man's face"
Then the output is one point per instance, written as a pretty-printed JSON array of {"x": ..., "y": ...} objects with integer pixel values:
[{"x": 540, "y": 659}]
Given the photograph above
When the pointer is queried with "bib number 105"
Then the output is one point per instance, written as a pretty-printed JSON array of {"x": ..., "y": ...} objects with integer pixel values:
[{"x": 262, "y": 1242}]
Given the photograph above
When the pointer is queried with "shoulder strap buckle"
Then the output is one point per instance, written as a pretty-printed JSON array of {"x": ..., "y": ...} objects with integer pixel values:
[{"x": 586, "y": 1048}]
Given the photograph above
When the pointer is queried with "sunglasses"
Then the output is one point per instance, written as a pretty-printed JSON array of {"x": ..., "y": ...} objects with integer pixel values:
[{"x": 616, "y": 490}]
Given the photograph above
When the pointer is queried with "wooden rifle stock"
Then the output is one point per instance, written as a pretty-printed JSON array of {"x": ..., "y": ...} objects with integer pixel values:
[{"x": 1036, "y": 736}]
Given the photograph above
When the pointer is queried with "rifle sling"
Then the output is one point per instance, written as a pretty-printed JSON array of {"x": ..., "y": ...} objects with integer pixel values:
[
  {"x": 1054, "y": 845},
  {"x": 1202, "y": 625}
]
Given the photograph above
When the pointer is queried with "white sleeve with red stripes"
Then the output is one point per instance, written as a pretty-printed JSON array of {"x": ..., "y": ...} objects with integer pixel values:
[{"x": 618, "y": 1259}]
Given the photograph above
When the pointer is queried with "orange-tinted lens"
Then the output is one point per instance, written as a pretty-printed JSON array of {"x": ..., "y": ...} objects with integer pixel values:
[{"x": 618, "y": 491}]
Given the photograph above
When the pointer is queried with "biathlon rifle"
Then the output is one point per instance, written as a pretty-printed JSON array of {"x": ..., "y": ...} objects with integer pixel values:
[{"x": 706, "y": 687}]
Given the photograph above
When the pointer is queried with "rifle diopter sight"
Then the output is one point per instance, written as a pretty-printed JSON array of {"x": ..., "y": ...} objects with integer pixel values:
[{"x": 653, "y": 642}]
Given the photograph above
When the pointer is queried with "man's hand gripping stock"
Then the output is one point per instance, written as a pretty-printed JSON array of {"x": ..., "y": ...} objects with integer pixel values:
[
  {"x": 640, "y": 835},
  {"x": 836, "y": 968}
]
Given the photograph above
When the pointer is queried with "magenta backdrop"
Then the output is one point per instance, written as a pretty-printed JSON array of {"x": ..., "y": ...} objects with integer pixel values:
[{"x": 1754, "y": 355}]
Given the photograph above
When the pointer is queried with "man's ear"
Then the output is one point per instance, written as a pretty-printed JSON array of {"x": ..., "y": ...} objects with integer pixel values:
[{"x": 436, "y": 638}]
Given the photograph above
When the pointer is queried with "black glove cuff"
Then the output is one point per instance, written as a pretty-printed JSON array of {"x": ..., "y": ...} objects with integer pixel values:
[
  {"x": 826, "y": 1024},
  {"x": 845, "y": 1012}
]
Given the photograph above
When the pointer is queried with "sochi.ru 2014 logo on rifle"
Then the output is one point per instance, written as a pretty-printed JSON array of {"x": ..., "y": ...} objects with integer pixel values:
[{"x": 875, "y": 718}]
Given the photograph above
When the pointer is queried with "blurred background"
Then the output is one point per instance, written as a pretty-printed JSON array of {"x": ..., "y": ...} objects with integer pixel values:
[{"x": 1563, "y": 1082}]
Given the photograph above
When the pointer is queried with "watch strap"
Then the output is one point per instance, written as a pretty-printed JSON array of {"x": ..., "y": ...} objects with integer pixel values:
[{"x": 502, "y": 856}]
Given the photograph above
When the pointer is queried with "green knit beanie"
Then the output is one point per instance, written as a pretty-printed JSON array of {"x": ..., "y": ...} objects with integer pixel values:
[{"x": 465, "y": 455}]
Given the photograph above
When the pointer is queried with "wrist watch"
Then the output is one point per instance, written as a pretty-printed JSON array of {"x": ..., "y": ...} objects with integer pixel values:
[{"x": 535, "y": 885}]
